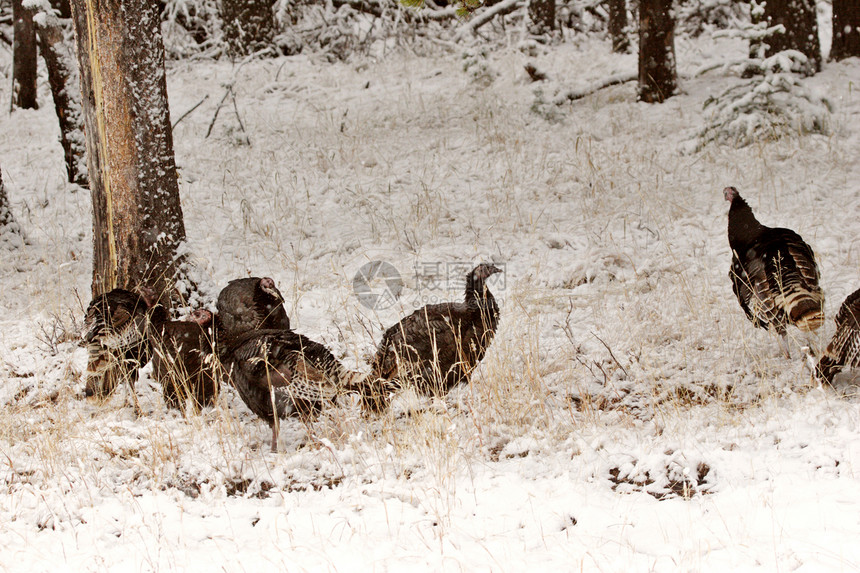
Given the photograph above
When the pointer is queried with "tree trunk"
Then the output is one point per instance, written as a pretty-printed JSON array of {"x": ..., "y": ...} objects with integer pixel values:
[
  {"x": 658, "y": 78},
  {"x": 801, "y": 30},
  {"x": 846, "y": 29},
  {"x": 23, "y": 58},
  {"x": 541, "y": 16},
  {"x": 63, "y": 8},
  {"x": 249, "y": 25},
  {"x": 618, "y": 26},
  {"x": 137, "y": 218},
  {"x": 11, "y": 236},
  {"x": 65, "y": 87}
]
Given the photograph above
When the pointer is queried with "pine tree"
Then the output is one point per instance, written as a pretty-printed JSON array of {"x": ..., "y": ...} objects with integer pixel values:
[{"x": 801, "y": 30}]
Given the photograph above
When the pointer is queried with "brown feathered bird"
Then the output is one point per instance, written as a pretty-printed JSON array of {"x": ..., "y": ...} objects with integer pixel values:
[
  {"x": 280, "y": 373},
  {"x": 183, "y": 360},
  {"x": 774, "y": 274},
  {"x": 844, "y": 349},
  {"x": 250, "y": 303},
  {"x": 438, "y": 346},
  {"x": 115, "y": 333},
  {"x": 277, "y": 372}
]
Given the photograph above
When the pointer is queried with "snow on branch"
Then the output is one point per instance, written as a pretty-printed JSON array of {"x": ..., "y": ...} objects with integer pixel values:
[
  {"x": 500, "y": 9},
  {"x": 578, "y": 93}
]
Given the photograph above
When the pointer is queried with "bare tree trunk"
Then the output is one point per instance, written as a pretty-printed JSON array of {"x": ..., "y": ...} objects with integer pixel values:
[
  {"x": 618, "y": 26},
  {"x": 249, "y": 25},
  {"x": 658, "y": 78},
  {"x": 137, "y": 219},
  {"x": 846, "y": 29},
  {"x": 65, "y": 87},
  {"x": 801, "y": 30},
  {"x": 23, "y": 58},
  {"x": 542, "y": 16},
  {"x": 11, "y": 235}
]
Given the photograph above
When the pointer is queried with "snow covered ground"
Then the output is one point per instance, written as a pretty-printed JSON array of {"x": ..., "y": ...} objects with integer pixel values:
[{"x": 627, "y": 417}]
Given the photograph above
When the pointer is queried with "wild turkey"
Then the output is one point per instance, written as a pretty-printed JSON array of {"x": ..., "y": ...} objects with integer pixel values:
[
  {"x": 438, "y": 346},
  {"x": 114, "y": 330},
  {"x": 280, "y": 371},
  {"x": 183, "y": 360},
  {"x": 273, "y": 368},
  {"x": 774, "y": 274},
  {"x": 844, "y": 349},
  {"x": 249, "y": 303}
]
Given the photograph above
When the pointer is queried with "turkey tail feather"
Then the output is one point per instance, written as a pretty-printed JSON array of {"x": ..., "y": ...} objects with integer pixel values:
[
  {"x": 805, "y": 310},
  {"x": 827, "y": 368}
]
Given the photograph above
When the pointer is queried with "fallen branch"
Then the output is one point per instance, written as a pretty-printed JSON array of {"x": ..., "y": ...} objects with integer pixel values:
[
  {"x": 500, "y": 9},
  {"x": 575, "y": 94}
]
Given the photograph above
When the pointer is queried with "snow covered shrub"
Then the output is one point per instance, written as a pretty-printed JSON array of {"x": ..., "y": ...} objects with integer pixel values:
[
  {"x": 546, "y": 108},
  {"x": 583, "y": 16},
  {"x": 772, "y": 101},
  {"x": 768, "y": 106},
  {"x": 190, "y": 27},
  {"x": 475, "y": 64},
  {"x": 694, "y": 17}
]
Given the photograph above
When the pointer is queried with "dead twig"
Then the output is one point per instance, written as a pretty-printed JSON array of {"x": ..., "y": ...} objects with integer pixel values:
[
  {"x": 187, "y": 113},
  {"x": 611, "y": 354}
]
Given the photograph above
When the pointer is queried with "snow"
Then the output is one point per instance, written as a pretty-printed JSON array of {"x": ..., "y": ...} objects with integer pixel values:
[{"x": 627, "y": 416}]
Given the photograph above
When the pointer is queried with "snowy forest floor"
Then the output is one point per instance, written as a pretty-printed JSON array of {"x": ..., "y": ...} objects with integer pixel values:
[{"x": 627, "y": 416}]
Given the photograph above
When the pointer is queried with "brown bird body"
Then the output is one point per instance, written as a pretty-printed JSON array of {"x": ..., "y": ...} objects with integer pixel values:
[
  {"x": 844, "y": 348},
  {"x": 438, "y": 346},
  {"x": 182, "y": 360},
  {"x": 774, "y": 274},
  {"x": 114, "y": 330},
  {"x": 277, "y": 372}
]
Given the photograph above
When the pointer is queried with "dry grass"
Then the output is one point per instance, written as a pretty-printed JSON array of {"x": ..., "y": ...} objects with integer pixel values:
[{"x": 617, "y": 309}]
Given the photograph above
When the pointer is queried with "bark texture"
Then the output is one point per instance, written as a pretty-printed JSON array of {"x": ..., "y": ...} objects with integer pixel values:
[
  {"x": 846, "y": 29},
  {"x": 137, "y": 218},
  {"x": 658, "y": 77},
  {"x": 23, "y": 58}
]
